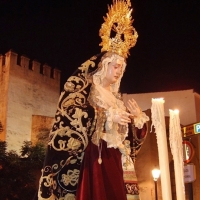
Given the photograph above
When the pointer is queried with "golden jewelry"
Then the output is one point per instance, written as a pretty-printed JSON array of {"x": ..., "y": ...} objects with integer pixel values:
[{"x": 119, "y": 20}]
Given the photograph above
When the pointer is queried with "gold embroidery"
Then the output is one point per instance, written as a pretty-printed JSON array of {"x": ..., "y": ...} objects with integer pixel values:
[
  {"x": 73, "y": 144},
  {"x": 72, "y": 126},
  {"x": 68, "y": 196},
  {"x": 71, "y": 177}
]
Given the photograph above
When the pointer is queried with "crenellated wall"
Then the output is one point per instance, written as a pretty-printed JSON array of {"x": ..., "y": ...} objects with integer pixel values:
[
  {"x": 4, "y": 76},
  {"x": 27, "y": 88}
]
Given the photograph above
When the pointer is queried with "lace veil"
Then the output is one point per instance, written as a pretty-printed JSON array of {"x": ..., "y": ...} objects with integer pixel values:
[{"x": 101, "y": 73}]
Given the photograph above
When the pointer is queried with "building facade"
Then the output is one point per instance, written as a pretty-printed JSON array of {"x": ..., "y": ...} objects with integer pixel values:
[
  {"x": 188, "y": 104},
  {"x": 27, "y": 89}
]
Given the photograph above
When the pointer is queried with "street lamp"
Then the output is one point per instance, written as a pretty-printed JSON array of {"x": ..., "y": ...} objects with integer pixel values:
[{"x": 155, "y": 174}]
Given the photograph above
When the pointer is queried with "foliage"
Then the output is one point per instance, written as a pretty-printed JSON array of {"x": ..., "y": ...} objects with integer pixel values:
[
  {"x": 3, "y": 147},
  {"x": 18, "y": 172}
]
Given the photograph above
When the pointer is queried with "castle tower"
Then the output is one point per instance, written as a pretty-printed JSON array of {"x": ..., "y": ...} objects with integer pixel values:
[{"x": 27, "y": 89}]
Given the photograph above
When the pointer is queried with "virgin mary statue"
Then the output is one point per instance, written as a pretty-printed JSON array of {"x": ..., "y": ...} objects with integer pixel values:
[{"x": 95, "y": 137}]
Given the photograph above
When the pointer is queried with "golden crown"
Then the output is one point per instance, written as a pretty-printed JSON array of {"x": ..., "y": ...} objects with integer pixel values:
[{"x": 119, "y": 20}]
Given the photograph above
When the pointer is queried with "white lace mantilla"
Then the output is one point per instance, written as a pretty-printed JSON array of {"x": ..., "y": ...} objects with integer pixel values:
[{"x": 114, "y": 133}]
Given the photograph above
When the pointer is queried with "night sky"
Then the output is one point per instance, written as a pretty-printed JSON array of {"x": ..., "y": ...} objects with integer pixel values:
[{"x": 65, "y": 33}]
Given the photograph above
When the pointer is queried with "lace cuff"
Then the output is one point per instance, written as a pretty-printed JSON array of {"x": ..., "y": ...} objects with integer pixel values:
[
  {"x": 140, "y": 120},
  {"x": 113, "y": 116}
]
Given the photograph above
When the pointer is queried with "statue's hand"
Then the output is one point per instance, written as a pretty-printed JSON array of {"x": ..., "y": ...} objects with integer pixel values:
[
  {"x": 133, "y": 108},
  {"x": 122, "y": 119}
]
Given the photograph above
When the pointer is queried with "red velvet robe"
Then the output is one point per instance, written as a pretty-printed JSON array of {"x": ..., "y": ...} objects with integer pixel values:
[{"x": 101, "y": 181}]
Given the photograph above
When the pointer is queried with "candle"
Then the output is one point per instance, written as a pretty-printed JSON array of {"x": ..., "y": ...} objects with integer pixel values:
[
  {"x": 175, "y": 138},
  {"x": 158, "y": 121}
]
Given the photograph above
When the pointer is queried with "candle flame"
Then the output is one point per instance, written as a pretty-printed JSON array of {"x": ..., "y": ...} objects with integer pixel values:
[
  {"x": 158, "y": 100},
  {"x": 176, "y": 111}
]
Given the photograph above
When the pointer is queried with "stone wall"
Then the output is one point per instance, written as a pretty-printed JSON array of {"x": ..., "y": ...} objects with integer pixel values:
[
  {"x": 32, "y": 89},
  {"x": 41, "y": 126},
  {"x": 4, "y": 76}
]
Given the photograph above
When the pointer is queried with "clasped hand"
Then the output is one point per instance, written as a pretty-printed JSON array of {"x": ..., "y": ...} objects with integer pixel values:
[
  {"x": 125, "y": 117},
  {"x": 122, "y": 118}
]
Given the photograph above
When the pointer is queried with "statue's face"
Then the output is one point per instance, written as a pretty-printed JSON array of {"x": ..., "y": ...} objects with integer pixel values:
[{"x": 114, "y": 71}]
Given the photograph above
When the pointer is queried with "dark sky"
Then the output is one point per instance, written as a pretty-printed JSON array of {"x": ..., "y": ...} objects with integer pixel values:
[{"x": 65, "y": 33}]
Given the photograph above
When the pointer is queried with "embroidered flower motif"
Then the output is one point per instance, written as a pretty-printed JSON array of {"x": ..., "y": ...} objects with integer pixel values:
[
  {"x": 73, "y": 143},
  {"x": 62, "y": 132},
  {"x": 69, "y": 86},
  {"x": 71, "y": 177},
  {"x": 69, "y": 196},
  {"x": 77, "y": 123}
]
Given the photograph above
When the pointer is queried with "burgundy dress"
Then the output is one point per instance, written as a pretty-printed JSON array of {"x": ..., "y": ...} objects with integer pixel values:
[{"x": 101, "y": 181}]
